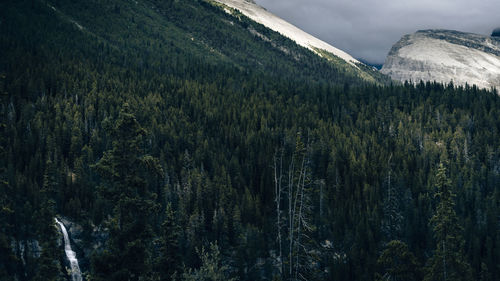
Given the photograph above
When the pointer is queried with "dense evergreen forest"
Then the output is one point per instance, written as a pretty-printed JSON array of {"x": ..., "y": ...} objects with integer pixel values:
[{"x": 200, "y": 151}]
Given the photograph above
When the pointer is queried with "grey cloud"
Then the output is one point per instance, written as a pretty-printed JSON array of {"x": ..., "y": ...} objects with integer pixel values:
[{"x": 368, "y": 28}]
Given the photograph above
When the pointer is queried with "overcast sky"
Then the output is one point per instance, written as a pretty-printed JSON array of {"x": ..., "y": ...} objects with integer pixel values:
[{"x": 368, "y": 28}]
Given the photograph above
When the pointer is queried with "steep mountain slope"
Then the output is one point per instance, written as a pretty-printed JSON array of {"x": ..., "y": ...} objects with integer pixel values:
[
  {"x": 172, "y": 140},
  {"x": 444, "y": 56},
  {"x": 201, "y": 32},
  {"x": 260, "y": 15}
]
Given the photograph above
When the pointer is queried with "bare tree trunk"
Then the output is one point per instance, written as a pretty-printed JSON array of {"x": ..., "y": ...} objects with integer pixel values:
[
  {"x": 299, "y": 216},
  {"x": 389, "y": 178},
  {"x": 277, "y": 185},
  {"x": 290, "y": 218},
  {"x": 444, "y": 259},
  {"x": 298, "y": 204},
  {"x": 295, "y": 218},
  {"x": 321, "y": 183}
]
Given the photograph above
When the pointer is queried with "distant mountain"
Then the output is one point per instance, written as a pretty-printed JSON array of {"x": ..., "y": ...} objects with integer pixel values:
[
  {"x": 257, "y": 13},
  {"x": 377, "y": 66},
  {"x": 444, "y": 56}
]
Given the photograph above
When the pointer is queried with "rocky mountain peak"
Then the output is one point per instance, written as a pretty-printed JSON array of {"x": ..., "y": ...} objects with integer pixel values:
[{"x": 444, "y": 56}]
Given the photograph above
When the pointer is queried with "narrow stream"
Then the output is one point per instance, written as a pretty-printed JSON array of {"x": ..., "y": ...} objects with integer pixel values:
[{"x": 76, "y": 275}]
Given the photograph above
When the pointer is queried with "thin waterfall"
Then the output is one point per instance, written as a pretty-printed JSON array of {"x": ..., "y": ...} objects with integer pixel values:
[{"x": 76, "y": 274}]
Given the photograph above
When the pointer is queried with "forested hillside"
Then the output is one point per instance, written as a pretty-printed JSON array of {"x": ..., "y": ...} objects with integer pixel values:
[{"x": 199, "y": 151}]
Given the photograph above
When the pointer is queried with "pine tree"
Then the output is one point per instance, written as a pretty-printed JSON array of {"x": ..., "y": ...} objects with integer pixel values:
[
  {"x": 398, "y": 263},
  {"x": 125, "y": 167},
  {"x": 8, "y": 261},
  {"x": 392, "y": 221},
  {"x": 212, "y": 267},
  {"x": 168, "y": 262},
  {"x": 48, "y": 264},
  {"x": 448, "y": 261},
  {"x": 49, "y": 268}
]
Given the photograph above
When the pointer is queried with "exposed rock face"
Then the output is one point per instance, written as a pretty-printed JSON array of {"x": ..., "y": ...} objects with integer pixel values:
[
  {"x": 444, "y": 56},
  {"x": 84, "y": 240},
  {"x": 26, "y": 249}
]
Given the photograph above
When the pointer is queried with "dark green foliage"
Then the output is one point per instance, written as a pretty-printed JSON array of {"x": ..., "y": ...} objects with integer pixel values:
[
  {"x": 448, "y": 262},
  {"x": 48, "y": 267},
  {"x": 128, "y": 251},
  {"x": 8, "y": 260},
  {"x": 398, "y": 263},
  {"x": 211, "y": 269},
  {"x": 189, "y": 161},
  {"x": 168, "y": 263}
]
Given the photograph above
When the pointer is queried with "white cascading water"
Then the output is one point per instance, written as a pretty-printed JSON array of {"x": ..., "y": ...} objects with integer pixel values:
[{"x": 76, "y": 275}]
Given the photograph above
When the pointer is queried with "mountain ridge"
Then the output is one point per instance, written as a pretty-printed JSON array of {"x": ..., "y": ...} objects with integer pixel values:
[
  {"x": 445, "y": 55},
  {"x": 261, "y": 15}
]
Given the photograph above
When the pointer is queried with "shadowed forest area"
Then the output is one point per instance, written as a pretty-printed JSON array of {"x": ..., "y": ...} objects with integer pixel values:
[{"x": 201, "y": 152}]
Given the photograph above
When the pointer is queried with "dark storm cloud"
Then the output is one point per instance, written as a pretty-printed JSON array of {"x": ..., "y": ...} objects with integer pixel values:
[{"x": 368, "y": 28}]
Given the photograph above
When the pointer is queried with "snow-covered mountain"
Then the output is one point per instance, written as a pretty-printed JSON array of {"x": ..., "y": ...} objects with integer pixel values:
[
  {"x": 258, "y": 14},
  {"x": 444, "y": 56}
]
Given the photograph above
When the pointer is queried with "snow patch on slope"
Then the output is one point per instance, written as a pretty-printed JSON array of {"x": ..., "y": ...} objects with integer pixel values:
[
  {"x": 445, "y": 56},
  {"x": 69, "y": 19},
  {"x": 260, "y": 15}
]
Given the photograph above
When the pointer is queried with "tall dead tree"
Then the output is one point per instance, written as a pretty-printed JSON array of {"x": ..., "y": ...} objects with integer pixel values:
[{"x": 293, "y": 191}]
